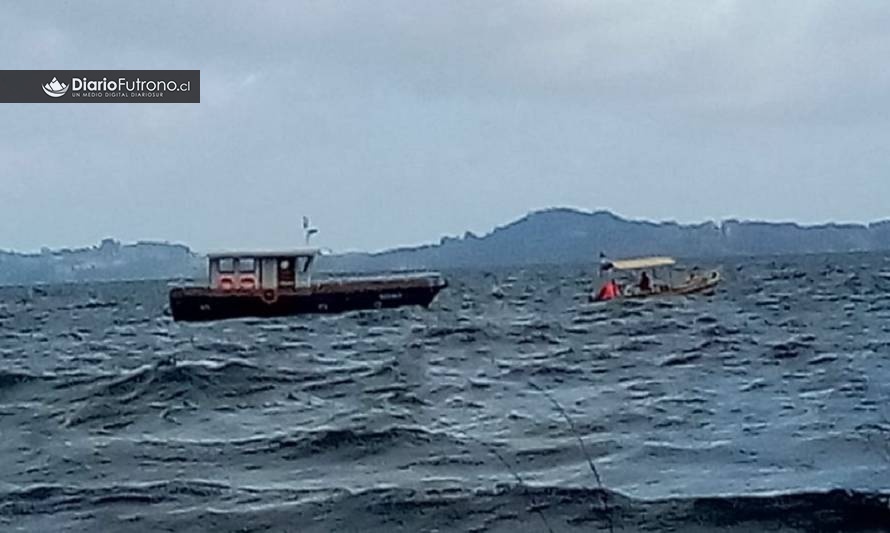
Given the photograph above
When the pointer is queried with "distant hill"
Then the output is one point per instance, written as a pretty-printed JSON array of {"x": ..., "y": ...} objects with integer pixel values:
[
  {"x": 558, "y": 235},
  {"x": 563, "y": 235},
  {"x": 108, "y": 261}
]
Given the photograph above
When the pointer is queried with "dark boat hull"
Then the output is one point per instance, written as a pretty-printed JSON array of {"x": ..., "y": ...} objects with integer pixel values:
[{"x": 204, "y": 304}]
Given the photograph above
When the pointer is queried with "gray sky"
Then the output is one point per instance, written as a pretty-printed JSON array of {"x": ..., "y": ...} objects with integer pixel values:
[{"x": 395, "y": 123}]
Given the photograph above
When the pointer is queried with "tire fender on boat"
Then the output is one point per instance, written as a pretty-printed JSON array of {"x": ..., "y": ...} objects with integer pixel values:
[{"x": 270, "y": 296}]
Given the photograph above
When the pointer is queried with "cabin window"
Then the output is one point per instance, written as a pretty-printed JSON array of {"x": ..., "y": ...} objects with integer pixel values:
[
  {"x": 286, "y": 275},
  {"x": 247, "y": 265},
  {"x": 227, "y": 265}
]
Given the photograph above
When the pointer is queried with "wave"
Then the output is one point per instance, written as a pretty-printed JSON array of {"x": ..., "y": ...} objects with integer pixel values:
[
  {"x": 51, "y": 499},
  {"x": 450, "y": 506},
  {"x": 355, "y": 441},
  {"x": 11, "y": 378},
  {"x": 122, "y": 396},
  {"x": 464, "y": 333},
  {"x": 311, "y": 445}
]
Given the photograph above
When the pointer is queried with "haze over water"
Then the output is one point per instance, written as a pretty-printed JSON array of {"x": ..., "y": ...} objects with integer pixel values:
[{"x": 114, "y": 418}]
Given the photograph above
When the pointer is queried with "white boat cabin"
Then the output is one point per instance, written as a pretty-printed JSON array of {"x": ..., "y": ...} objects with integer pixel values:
[
  {"x": 233, "y": 271},
  {"x": 638, "y": 263}
]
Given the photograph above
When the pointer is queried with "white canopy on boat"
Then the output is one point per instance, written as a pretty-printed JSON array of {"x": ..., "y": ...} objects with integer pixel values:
[{"x": 642, "y": 262}]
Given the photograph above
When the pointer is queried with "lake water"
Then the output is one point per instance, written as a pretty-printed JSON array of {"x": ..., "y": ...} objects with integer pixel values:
[{"x": 763, "y": 407}]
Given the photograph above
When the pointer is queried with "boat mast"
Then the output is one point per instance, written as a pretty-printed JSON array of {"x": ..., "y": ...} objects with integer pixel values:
[{"x": 307, "y": 230}]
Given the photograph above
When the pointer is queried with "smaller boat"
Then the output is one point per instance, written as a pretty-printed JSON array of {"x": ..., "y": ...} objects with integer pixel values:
[
  {"x": 647, "y": 277},
  {"x": 272, "y": 284}
]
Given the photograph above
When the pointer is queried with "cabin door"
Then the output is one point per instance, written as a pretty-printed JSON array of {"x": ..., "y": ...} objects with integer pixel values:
[{"x": 269, "y": 273}]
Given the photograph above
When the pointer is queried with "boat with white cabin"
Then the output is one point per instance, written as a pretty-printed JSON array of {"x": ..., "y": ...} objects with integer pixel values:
[{"x": 273, "y": 284}]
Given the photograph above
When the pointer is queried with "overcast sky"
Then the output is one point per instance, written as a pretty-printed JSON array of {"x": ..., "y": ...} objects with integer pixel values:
[{"x": 394, "y": 123}]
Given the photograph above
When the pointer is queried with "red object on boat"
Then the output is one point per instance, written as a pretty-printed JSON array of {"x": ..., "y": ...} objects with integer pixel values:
[{"x": 609, "y": 291}]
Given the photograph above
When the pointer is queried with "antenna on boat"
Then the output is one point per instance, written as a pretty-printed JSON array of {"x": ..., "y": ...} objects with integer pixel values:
[{"x": 307, "y": 230}]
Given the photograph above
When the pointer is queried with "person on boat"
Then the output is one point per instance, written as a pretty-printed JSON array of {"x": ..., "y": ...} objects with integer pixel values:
[{"x": 645, "y": 283}]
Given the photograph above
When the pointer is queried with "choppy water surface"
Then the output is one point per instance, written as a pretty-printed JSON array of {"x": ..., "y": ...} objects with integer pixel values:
[{"x": 743, "y": 411}]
